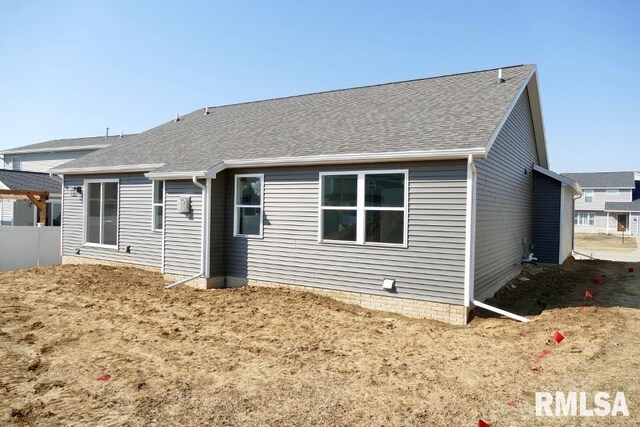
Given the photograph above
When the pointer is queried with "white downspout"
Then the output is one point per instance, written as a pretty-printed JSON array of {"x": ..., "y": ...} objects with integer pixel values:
[{"x": 203, "y": 244}]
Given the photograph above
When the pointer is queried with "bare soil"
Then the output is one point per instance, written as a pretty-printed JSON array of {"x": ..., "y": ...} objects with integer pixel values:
[
  {"x": 601, "y": 241},
  {"x": 261, "y": 356}
]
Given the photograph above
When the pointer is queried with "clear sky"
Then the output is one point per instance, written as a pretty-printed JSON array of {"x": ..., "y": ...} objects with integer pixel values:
[{"x": 72, "y": 68}]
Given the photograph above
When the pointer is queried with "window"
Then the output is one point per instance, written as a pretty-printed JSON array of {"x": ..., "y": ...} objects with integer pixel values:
[
  {"x": 54, "y": 213},
  {"x": 613, "y": 192},
  {"x": 585, "y": 218},
  {"x": 16, "y": 163},
  {"x": 157, "y": 210},
  {"x": 248, "y": 219},
  {"x": 588, "y": 196},
  {"x": 101, "y": 212},
  {"x": 364, "y": 207}
]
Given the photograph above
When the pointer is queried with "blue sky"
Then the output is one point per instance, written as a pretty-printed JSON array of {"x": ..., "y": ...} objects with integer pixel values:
[{"x": 72, "y": 68}]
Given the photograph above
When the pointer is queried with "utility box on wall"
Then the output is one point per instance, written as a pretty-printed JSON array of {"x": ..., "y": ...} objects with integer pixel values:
[{"x": 184, "y": 205}]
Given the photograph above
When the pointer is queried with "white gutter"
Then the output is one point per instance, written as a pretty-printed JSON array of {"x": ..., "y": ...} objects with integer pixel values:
[
  {"x": 108, "y": 169},
  {"x": 500, "y": 311},
  {"x": 470, "y": 227},
  {"x": 56, "y": 149},
  {"x": 203, "y": 237}
]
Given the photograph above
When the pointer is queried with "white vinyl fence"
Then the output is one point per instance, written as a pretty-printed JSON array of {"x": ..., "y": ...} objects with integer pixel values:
[{"x": 29, "y": 246}]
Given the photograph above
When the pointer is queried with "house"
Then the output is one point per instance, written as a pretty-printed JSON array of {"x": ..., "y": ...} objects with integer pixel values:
[
  {"x": 610, "y": 202},
  {"x": 414, "y": 197},
  {"x": 26, "y": 168},
  {"x": 21, "y": 192}
]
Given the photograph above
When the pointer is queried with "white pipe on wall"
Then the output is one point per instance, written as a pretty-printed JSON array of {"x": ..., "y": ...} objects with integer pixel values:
[{"x": 500, "y": 311}]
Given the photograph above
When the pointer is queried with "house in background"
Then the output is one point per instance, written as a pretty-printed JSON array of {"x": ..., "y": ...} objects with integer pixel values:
[
  {"x": 26, "y": 168},
  {"x": 610, "y": 202},
  {"x": 415, "y": 197}
]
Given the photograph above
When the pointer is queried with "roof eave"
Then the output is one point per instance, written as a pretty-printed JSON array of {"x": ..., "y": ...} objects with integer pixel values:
[
  {"x": 107, "y": 169},
  {"x": 55, "y": 149}
]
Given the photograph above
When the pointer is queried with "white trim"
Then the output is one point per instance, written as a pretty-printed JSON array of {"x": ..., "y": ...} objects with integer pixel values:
[
  {"x": 154, "y": 205},
  {"x": 53, "y": 150},
  {"x": 361, "y": 209},
  {"x": 107, "y": 169},
  {"x": 164, "y": 225},
  {"x": 470, "y": 225},
  {"x": 330, "y": 159},
  {"x": 84, "y": 212},
  {"x": 236, "y": 206},
  {"x": 207, "y": 237}
]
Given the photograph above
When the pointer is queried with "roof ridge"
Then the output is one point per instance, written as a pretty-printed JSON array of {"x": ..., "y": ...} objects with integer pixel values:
[{"x": 359, "y": 87}]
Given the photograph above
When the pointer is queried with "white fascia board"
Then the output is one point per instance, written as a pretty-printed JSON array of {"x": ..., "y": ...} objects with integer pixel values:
[
  {"x": 332, "y": 159},
  {"x": 107, "y": 169},
  {"x": 56, "y": 149},
  {"x": 531, "y": 82},
  {"x": 175, "y": 175}
]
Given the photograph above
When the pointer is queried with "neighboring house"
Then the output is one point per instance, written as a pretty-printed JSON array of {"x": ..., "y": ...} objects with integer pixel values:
[
  {"x": 423, "y": 186},
  {"x": 610, "y": 202},
  {"x": 40, "y": 158},
  {"x": 16, "y": 206}
]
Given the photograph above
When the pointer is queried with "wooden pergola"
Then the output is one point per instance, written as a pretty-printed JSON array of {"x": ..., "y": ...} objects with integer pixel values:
[{"x": 38, "y": 198}]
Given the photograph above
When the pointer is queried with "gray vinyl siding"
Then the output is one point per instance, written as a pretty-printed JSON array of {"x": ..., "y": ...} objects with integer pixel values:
[
  {"x": 134, "y": 222},
  {"x": 600, "y": 197},
  {"x": 567, "y": 223},
  {"x": 183, "y": 232},
  {"x": 217, "y": 231},
  {"x": 546, "y": 218},
  {"x": 42, "y": 162},
  {"x": 430, "y": 268},
  {"x": 505, "y": 202}
]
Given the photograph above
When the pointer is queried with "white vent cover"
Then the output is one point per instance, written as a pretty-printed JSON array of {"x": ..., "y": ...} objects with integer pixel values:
[
  {"x": 388, "y": 284},
  {"x": 184, "y": 205}
]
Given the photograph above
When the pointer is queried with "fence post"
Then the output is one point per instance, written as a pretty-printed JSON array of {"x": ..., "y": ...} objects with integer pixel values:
[{"x": 38, "y": 243}]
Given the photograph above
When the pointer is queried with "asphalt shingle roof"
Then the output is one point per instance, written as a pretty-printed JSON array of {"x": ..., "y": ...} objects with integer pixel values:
[
  {"x": 33, "y": 181},
  {"x": 67, "y": 143},
  {"x": 440, "y": 113},
  {"x": 603, "y": 179},
  {"x": 623, "y": 206}
]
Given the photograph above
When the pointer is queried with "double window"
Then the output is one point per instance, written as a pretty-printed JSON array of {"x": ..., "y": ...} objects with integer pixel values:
[
  {"x": 588, "y": 196},
  {"x": 101, "y": 212},
  {"x": 364, "y": 207},
  {"x": 248, "y": 205},
  {"x": 157, "y": 210},
  {"x": 613, "y": 192},
  {"x": 585, "y": 218}
]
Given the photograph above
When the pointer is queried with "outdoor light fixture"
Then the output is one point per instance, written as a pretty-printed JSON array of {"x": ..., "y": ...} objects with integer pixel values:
[{"x": 78, "y": 191}]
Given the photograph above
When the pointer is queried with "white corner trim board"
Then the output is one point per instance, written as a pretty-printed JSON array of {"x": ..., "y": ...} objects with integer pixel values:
[{"x": 470, "y": 227}]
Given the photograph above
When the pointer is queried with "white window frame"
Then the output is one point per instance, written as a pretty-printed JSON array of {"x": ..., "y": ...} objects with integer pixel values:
[
  {"x": 13, "y": 163},
  {"x": 154, "y": 205},
  {"x": 236, "y": 206},
  {"x": 613, "y": 192},
  {"x": 588, "y": 193},
  {"x": 84, "y": 212},
  {"x": 361, "y": 209},
  {"x": 583, "y": 219}
]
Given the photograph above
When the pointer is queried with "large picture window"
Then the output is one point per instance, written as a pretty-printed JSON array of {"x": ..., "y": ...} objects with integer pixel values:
[
  {"x": 364, "y": 207},
  {"x": 101, "y": 212},
  {"x": 248, "y": 205},
  {"x": 157, "y": 205},
  {"x": 585, "y": 218}
]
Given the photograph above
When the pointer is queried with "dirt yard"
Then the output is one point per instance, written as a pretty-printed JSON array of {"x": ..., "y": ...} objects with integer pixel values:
[
  {"x": 601, "y": 241},
  {"x": 277, "y": 357}
]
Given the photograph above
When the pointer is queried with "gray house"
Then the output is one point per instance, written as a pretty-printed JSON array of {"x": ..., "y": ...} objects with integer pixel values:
[
  {"x": 415, "y": 197},
  {"x": 610, "y": 203},
  {"x": 27, "y": 168}
]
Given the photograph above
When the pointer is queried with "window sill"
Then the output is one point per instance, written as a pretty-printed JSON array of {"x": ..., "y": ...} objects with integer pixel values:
[
  {"x": 366, "y": 244},
  {"x": 248, "y": 236},
  {"x": 98, "y": 245}
]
